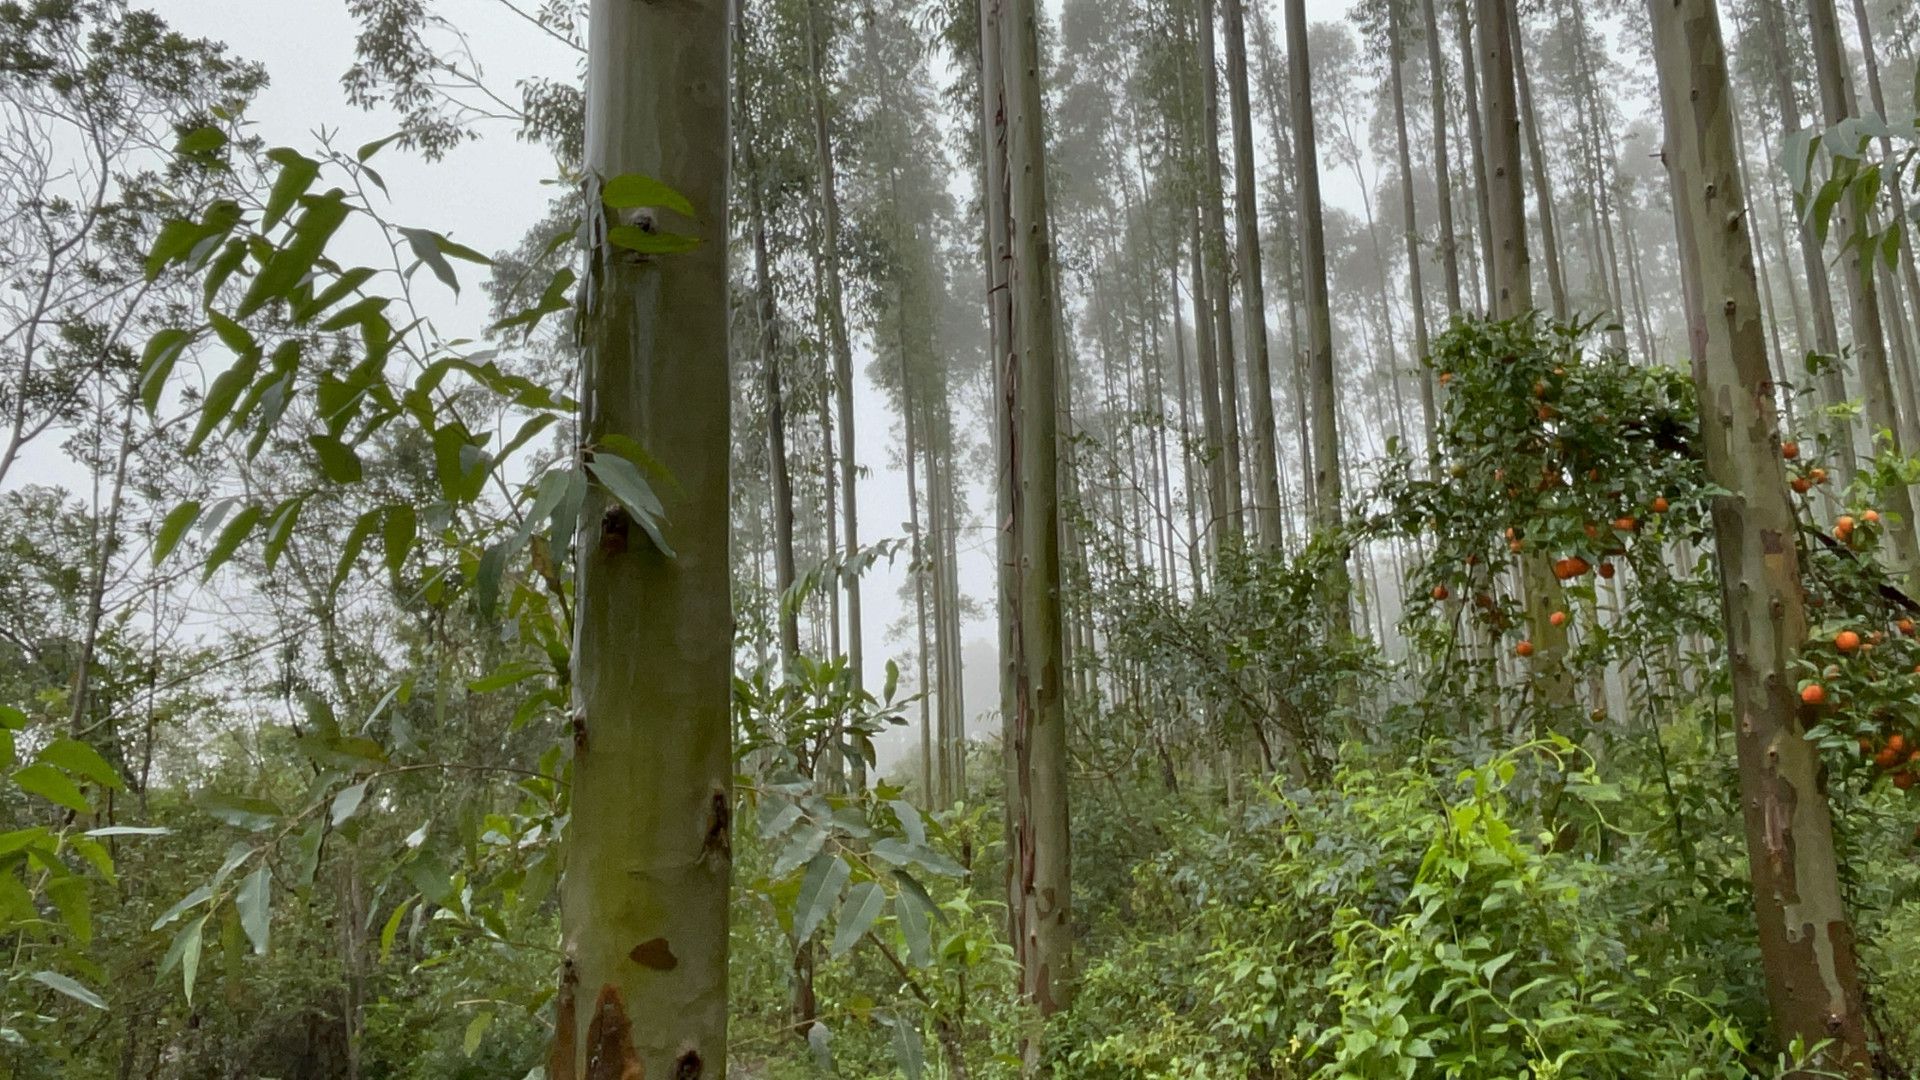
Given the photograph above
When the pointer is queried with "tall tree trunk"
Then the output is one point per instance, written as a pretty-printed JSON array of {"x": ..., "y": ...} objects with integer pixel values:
[
  {"x": 1826, "y": 332},
  {"x": 1477, "y": 148},
  {"x": 836, "y": 312},
  {"x": 1869, "y": 337},
  {"x": 1397, "y": 60},
  {"x": 1442, "y": 165},
  {"x": 1806, "y": 943},
  {"x": 648, "y": 846},
  {"x": 1253, "y": 290},
  {"x": 1512, "y": 289},
  {"x": 1039, "y": 898},
  {"x": 1327, "y": 484},
  {"x": 1219, "y": 288},
  {"x": 1908, "y": 272},
  {"x": 1537, "y": 159},
  {"x": 779, "y": 480}
]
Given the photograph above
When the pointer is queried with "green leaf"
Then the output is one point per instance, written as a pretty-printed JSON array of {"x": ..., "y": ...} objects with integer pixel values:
[
  {"x": 297, "y": 173},
  {"x": 81, "y": 760},
  {"x": 69, "y": 896},
  {"x": 337, "y": 460},
  {"x": 280, "y": 528},
  {"x": 240, "y": 811},
  {"x": 391, "y": 930},
  {"x": 397, "y": 535},
  {"x": 173, "y": 528},
  {"x": 356, "y": 539},
  {"x": 907, "y": 1049},
  {"x": 910, "y": 821},
  {"x": 857, "y": 914},
  {"x": 185, "y": 954},
  {"x": 553, "y": 299},
  {"x": 622, "y": 479},
  {"x": 914, "y": 913},
  {"x": 346, "y": 283},
  {"x": 11, "y": 718},
  {"x": 231, "y": 536},
  {"x": 163, "y": 349},
  {"x": 200, "y": 140},
  {"x": 253, "y": 904},
  {"x": 321, "y": 216},
  {"x": 185, "y": 904},
  {"x": 806, "y": 843},
  {"x": 367, "y": 151},
  {"x": 632, "y": 189},
  {"x": 634, "y": 238},
  {"x": 820, "y": 889},
  {"x": 346, "y": 802},
  {"x": 231, "y": 334},
  {"x": 72, "y": 988},
  {"x": 476, "y": 1031},
  {"x": 221, "y": 396},
  {"x": 175, "y": 241},
  {"x": 131, "y": 830},
  {"x": 52, "y": 785}
]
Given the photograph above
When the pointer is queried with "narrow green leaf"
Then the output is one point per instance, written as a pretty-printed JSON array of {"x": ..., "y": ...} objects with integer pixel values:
[
  {"x": 240, "y": 811},
  {"x": 622, "y": 479},
  {"x": 857, "y": 915},
  {"x": 820, "y": 889},
  {"x": 398, "y": 532},
  {"x": 391, "y": 930},
  {"x": 297, "y": 173},
  {"x": 253, "y": 902},
  {"x": 72, "y": 988},
  {"x": 173, "y": 527},
  {"x": 230, "y": 539},
  {"x": 280, "y": 529},
  {"x": 346, "y": 802},
  {"x": 156, "y": 365},
  {"x": 221, "y": 396}
]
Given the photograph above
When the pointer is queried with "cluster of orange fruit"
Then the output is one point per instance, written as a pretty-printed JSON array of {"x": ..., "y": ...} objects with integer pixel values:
[
  {"x": 1893, "y": 755},
  {"x": 1803, "y": 479}
]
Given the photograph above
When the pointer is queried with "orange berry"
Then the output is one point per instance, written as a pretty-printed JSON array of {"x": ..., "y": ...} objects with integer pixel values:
[
  {"x": 1440, "y": 592},
  {"x": 1660, "y": 505},
  {"x": 1801, "y": 485},
  {"x": 1813, "y": 694},
  {"x": 1846, "y": 641},
  {"x": 1558, "y": 618},
  {"x": 1903, "y": 781},
  {"x": 1818, "y": 474},
  {"x": 1524, "y": 649},
  {"x": 1905, "y": 626},
  {"x": 1790, "y": 450},
  {"x": 1626, "y": 523},
  {"x": 1871, "y": 517},
  {"x": 1844, "y": 522},
  {"x": 1606, "y": 570}
]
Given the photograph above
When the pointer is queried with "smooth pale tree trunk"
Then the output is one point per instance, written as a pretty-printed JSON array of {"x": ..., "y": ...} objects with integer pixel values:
[
  {"x": 1537, "y": 160},
  {"x": 836, "y": 312},
  {"x": 1869, "y": 336},
  {"x": 1476, "y": 146},
  {"x": 1512, "y": 290},
  {"x": 1327, "y": 482},
  {"x": 1442, "y": 165},
  {"x": 1826, "y": 332},
  {"x": 644, "y": 900},
  {"x": 1909, "y": 274},
  {"x": 1806, "y": 943},
  {"x": 1253, "y": 290},
  {"x": 1034, "y": 708},
  {"x": 779, "y": 478},
  {"x": 1410, "y": 228},
  {"x": 1219, "y": 285}
]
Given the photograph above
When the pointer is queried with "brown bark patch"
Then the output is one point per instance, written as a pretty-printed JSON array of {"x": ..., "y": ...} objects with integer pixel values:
[
  {"x": 719, "y": 839},
  {"x": 688, "y": 1066},
  {"x": 561, "y": 1064},
  {"x": 655, "y": 954},
  {"x": 610, "y": 1054},
  {"x": 615, "y": 524}
]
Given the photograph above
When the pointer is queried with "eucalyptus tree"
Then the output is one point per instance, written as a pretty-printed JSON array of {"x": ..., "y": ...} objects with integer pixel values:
[
  {"x": 1857, "y": 259},
  {"x": 1327, "y": 481},
  {"x": 1806, "y": 943},
  {"x": 1033, "y": 707},
  {"x": 644, "y": 900}
]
